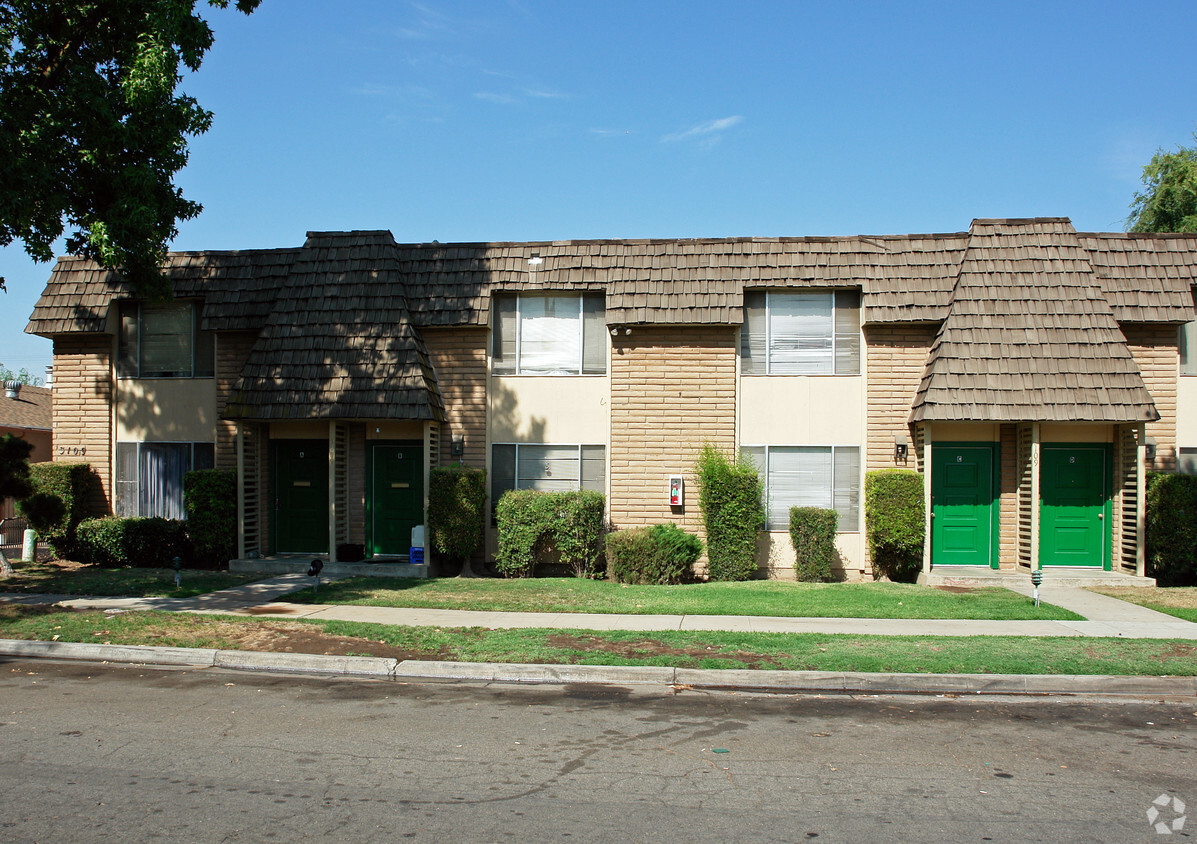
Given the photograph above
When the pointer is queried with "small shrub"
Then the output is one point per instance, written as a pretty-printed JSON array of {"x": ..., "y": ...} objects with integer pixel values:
[
  {"x": 210, "y": 498},
  {"x": 1172, "y": 529},
  {"x": 530, "y": 522},
  {"x": 57, "y": 523},
  {"x": 145, "y": 543},
  {"x": 812, "y": 533},
  {"x": 456, "y": 511},
  {"x": 661, "y": 554},
  {"x": 729, "y": 496},
  {"x": 894, "y": 514}
]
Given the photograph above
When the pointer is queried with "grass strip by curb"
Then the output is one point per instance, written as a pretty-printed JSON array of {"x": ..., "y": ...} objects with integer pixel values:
[
  {"x": 781, "y": 651},
  {"x": 757, "y": 598}
]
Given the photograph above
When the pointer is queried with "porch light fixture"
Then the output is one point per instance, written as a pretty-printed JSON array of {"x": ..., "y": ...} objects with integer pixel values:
[
  {"x": 900, "y": 443},
  {"x": 1149, "y": 448},
  {"x": 627, "y": 331},
  {"x": 457, "y": 446},
  {"x": 614, "y": 332}
]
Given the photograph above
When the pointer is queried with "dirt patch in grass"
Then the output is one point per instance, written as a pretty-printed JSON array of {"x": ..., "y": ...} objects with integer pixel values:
[
  {"x": 1177, "y": 597},
  {"x": 647, "y": 648},
  {"x": 290, "y": 637}
]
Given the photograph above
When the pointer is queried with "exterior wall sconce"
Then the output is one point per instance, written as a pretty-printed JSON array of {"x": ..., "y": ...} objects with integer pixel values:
[
  {"x": 900, "y": 444},
  {"x": 457, "y": 446},
  {"x": 1149, "y": 449}
]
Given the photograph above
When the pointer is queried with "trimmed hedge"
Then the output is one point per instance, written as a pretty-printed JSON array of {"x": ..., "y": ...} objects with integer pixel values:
[
  {"x": 58, "y": 503},
  {"x": 812, "y": 533},
  {"x": 145, "y": 543},
  {"x": 531, "y": 521},
  {"x": 456, "y": 511},
  {"x": 662, "y": 554},
  {"x": 1172, "y": 529},
  {"x": 894, "y": 514},
  {"x": 729, "y": 496},
  {"x": 210, "y": 499}
]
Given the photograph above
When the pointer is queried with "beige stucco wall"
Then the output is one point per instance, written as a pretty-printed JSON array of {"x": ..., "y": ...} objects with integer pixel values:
[
  {"x": 307, "y": 430},
  {"x": 1186, "y": 411},
  {"x": 775, "y": 555},
  {"x": 398, "y": 429},
  {"x": 166, "y": 410},
  {"x": 1056, "y": 432},
  {"x": 549, "y": 409},
  {"x": 801, "y": 410}
]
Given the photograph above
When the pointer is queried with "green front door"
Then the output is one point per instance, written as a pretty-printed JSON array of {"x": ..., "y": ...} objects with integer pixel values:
[
  {"x": 963, "y": 514},
  {"x": 300, "y": 472},
  {"x": 396, "y": 496},
  {"x": 1074, "y": 506}
]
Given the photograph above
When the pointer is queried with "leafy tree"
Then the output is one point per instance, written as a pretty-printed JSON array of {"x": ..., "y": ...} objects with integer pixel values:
[
  {"x": 1168, "y": 202},
  {"x": 91, "y": 129},
  {"x": 22, "y": 376},
  {"x": 14, "y": 479}
]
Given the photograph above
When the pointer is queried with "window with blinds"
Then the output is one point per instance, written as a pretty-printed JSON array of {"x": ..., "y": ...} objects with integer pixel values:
[
  {"x": 808, "y": 476},
  {"x": 801, "y": 333},
  {"x": 549, "y": 468},
  {"x": 163, "y": 341},
  {"x": 554, "y": 334}
]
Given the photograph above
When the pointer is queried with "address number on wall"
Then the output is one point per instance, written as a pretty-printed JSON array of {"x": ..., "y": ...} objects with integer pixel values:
[{"x": 72, "y": 451}]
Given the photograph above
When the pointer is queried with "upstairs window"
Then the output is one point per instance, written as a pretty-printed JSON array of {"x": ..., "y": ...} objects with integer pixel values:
[
  {"x": 163, "y": 341},
  {"x": 809, "y": 476},
  {"x": 549, "y": 335},
  {"x": 1187, "y": 343},
  {"x": 801, "y": 333}
]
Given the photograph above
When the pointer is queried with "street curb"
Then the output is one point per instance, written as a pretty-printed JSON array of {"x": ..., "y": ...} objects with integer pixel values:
[{"x": 487, "y": 672}]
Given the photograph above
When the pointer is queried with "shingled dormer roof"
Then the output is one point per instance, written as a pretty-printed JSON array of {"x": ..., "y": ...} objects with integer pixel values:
[
  {"x": 339, "y": 343},
  {"x": 1030, "y": 335}
]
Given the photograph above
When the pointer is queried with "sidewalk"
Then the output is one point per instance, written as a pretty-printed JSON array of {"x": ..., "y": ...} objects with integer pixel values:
[{"x": 1104, "y": 616}]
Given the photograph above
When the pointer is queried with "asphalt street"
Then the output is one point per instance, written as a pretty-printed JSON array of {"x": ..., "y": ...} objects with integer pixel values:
[{"x": 96, "y": 752}]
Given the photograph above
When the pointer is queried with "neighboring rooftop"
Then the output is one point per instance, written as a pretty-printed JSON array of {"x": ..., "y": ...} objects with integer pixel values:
[{"x": 31, "y": 409}]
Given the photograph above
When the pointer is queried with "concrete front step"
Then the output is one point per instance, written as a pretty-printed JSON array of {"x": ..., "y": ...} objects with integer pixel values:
[
  {"x": 968, "y": 576},
  {"x": 299, "y": 564}
]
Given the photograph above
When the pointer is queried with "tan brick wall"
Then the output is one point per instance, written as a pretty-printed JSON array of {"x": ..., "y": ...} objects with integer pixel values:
[
  {"x": 1008, "y": 502},
  {"x": 459, "y": 359},
  {"x": 896, "y": 358},
  {"x": 232, "y": 350},
  {"x": 672, "y": 389},
  {"x": 83, "y": 408},
  {"x": 1154, "y": 349},
  {"x": 357, "y": 482}
]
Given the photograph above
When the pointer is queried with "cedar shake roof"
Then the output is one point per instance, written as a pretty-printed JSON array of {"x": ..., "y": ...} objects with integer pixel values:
[
  {"x": 1030, "y": 335},
  {"x": 339, "y": 343},
  {"x": 31, "y": 409},
  {"x": 903, "y": 278},
  {"x": 238, "y": 289}
]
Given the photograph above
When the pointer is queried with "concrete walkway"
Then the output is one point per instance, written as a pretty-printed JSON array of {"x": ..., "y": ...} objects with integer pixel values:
[{"x": 1104, "y": 616}]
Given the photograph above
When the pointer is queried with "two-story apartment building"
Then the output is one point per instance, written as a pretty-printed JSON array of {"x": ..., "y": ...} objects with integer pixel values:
[{"x": 1032, "y": 373}]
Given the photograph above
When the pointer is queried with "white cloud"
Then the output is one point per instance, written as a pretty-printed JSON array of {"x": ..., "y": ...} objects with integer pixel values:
[
  {"x": 545, "y": 95},
  {"x": 704, "y": 129},
  {"x": 497, "y": 99}
]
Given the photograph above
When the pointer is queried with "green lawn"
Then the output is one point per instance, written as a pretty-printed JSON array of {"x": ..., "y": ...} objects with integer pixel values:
[
  {"x": 758, "y": 597},
  {"x": 819, "y": 652},
  {"x": 63, "y": 578},
  {"x": 1180, "y": 601}
]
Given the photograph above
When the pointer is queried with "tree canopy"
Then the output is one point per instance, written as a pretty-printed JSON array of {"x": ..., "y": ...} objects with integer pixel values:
[
  {"x": 92, "y": 130},
  {"x": 1168, "y": 202},
  {"x": 22, "y": 375}
]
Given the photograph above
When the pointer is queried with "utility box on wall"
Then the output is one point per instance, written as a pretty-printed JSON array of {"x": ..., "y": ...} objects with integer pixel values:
[{"x": 677, "y": 492}]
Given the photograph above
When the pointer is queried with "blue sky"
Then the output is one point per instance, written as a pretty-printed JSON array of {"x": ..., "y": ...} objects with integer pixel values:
[{"x": 528, "y": 120}]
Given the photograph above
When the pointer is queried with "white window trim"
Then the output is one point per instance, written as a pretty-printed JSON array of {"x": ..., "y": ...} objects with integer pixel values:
[
  {"x": 519, "y": 337},
  {"x": 835, "y": 335},
  {"x": 841, "y": 527}
]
